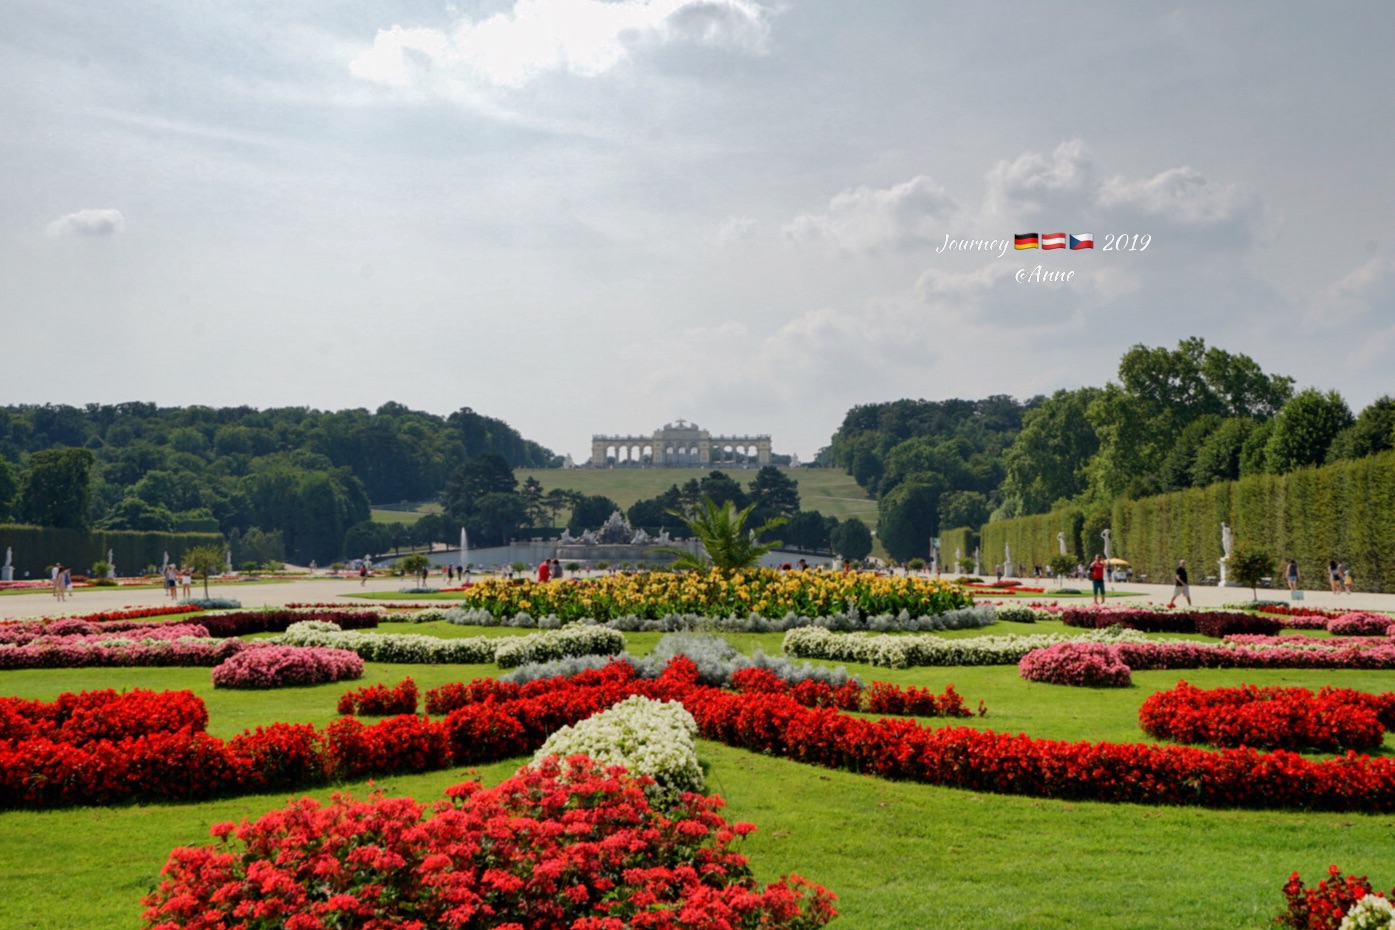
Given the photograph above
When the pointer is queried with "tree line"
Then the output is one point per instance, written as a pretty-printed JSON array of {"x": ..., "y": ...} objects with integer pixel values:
[
  {"x": 1173, "y": 419},
  {"x": 279, "y": 483}
]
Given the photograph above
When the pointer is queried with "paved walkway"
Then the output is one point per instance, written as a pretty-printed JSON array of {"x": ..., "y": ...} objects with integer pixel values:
[{"x": 330, "y": 590}]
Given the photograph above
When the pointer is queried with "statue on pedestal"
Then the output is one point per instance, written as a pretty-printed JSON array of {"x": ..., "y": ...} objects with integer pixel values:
[{"x": 1227, "y": 547}]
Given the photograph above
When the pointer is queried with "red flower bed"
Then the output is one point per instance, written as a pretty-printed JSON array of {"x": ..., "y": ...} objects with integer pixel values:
[
  {"x": 187, "y": 764},
  {"x": 1324, "y": 906},
  {"x": 565, "y": 846},
  {"x": 243, "y": 622},
  {"x": 1083, "y": 665},
  {"x": 137, "y": 613},
  {"x": 380, "y": 700},
  {"x": 1263, "y": 718},
  {"x": 82, "y": 718},
  {"x": 1215, "y": 623}
]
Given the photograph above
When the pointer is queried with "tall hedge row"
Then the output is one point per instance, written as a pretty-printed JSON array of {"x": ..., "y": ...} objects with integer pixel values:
[
  {"x": 1033, "y": 539},
  {"x": 964, "y": 539},
  {"x": 1344, "y": 511},
  {"x": 38, "y": 547}
]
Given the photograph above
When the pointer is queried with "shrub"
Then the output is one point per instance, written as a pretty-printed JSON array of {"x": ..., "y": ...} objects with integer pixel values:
[
  {"x": 1017, "y": 613},
  {"x": 1325, "y": 906},
  {"x": 267, "y": 666},
  {"x": 1089, "y": 665},
  {"x": 380, "y": 700}
]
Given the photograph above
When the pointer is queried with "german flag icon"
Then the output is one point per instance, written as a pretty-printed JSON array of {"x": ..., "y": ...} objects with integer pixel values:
[{"x": 1026, "y": 241}]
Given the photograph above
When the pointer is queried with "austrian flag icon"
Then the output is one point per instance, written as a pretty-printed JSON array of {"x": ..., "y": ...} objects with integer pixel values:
[{"x": 1053, "y": 240}]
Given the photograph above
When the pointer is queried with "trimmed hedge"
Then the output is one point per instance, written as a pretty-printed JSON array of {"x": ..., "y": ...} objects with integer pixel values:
[
  {"x": 38, "y": 547},
  {"x": 1341, "y": 511}
]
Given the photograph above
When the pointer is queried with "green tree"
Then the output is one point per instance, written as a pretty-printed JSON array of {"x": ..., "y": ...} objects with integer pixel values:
[
  {"x": 205, "y": 561},
  {"x": 497, "y": 517},
  {"x": 367, "y": 538},
  {"x": 1250, "y": 566},
  {"x": 774, "y": 494},
  {"x": 1219, "y": 454},
  {"x": 851, "y": 539},
  {"x": 728, "y": 544},
  {"x": 908, "y": 517},
  {"x": 809, "y": 530},
  {"x": 723, "y": 489},
  {"x": 655, "y": 511},
  {"x": 485, "y": 474},
  {"x": 590, "y": 511},
  {"x": 1047, "y": 461},
  {"x": 963, "y": 508},
  {"x": 412, "y": 565},
  {"x": 9, "y": 489},
  {"x": 132, "y": 513},
  {"x": 1373, "y": 431},
  {"x": 57, "y": 488},
  {"x": 1304, "y": 429}
]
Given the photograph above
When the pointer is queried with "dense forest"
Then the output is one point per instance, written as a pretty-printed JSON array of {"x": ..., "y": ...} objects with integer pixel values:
[
  {"x": 279, "y": 483},
  {"x": 1173, "y": 419}
]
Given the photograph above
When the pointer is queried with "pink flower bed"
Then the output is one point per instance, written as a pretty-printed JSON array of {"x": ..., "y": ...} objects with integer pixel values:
[
  {"x": 1087, "y": 665},
  {"x": 79, "y": 631},
  {"x": 267, "y": 666},
  {"x": 1360, "y": 623},
  {"x": 82, "y": 652}
]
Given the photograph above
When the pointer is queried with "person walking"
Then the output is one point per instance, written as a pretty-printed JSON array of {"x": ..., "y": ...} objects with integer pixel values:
[
  {"x": 1180, "y": 585},
  {"x": 1346, "y": 576},
  {"x": 186, "y": 582},
  {"x": 1291, "y": 574},
  {"x": 57, "y": 578},
  {"x": 1334, "y": 576},
  {"x": 1097, "y": 570}
]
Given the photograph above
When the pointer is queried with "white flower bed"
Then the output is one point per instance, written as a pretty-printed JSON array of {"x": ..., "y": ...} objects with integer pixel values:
[
  {"x": 916, "y": 650},
  {"x": 550, "y": 645},
  {"x": 647, "y": 737},
  {"x": 508, "y": 651}
]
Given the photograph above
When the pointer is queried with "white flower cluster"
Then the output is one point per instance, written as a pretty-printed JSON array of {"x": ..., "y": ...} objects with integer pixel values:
[
  {"x": 1372, "y": 912},
  {"x": 647, "y": 737},
  {"x": 508, "y": 651},
  {"x": 916, "y": 650}
]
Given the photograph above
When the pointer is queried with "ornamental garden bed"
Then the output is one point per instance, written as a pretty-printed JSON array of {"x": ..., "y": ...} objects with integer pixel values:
[{"x": 897, "y": 853}]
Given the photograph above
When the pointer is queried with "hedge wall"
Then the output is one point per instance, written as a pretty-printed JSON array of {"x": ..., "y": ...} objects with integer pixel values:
[
  {"x": 964, "y": 539},
  {"x": 1344, "y": 511},
  {"x": 36, "y": 548},
  {"x": 1033, "y": 539}
]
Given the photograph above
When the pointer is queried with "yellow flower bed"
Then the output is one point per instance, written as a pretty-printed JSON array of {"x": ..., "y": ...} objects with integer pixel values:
[{"x": 651, "y": 595}]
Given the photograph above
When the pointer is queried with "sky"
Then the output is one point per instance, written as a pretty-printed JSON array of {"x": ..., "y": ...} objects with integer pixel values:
[{"x": 600, "y": 216}]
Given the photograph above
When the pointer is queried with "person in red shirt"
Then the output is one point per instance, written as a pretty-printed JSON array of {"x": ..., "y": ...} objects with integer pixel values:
[
  {"x": 543, "y": 569},
  {"x": 1097, "y": 578}
]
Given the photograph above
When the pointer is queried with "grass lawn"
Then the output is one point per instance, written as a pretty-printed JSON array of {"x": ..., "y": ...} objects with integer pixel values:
[{"x": 899, "y": 855}]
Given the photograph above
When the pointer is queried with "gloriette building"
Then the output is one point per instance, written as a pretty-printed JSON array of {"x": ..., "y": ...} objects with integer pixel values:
[{"x": 679, "y": 445}]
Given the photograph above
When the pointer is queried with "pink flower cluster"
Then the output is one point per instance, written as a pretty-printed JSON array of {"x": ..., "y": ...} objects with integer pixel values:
[
  {"x": 1087, "y": 665},
  {"x": 268, "y": 666},
  {"x": 83, "y": 652},
  {"x": 1360, "y": 623},
  {"x": 24, "y": 632}
]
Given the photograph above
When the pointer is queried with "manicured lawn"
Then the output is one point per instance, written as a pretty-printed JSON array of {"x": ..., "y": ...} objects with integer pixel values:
[{"x": 899, "y": 855}]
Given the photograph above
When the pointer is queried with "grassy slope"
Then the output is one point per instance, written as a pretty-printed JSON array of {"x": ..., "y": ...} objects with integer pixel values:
[{"x": 899, "y": 855}]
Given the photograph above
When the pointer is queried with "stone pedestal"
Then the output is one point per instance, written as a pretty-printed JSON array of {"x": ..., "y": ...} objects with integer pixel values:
[{"x": 7, "y": 573}]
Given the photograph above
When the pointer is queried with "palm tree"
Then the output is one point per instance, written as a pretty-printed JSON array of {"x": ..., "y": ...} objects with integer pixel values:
[{"x": 728, "y": 546}]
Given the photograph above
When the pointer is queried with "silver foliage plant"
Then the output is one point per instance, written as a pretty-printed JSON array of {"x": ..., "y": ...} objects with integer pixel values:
[{"x": 715, "y": 658}]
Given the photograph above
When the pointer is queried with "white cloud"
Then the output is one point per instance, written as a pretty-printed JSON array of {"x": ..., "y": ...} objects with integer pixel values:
[
  {"x": 735, "y": 229},
  {"x": 867, "y": 219},
  {"x": 536, "y": 37},
  {"x": 1182, "y": 195},
  {"x": 88, "y": 223},
  {"x": 1021, "y": 184}
]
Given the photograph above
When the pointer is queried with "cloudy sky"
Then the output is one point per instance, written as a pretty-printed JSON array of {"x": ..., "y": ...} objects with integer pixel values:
[{"x": 601, "y": 215}]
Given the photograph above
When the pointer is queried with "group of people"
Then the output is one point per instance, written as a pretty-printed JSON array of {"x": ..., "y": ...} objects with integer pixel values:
[
  {"x": 62, "y": 581},
  {"x": 178, "y": 582},
  {"x": 1339, "y": 574},
  {"x": 549, "y": 570}
]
